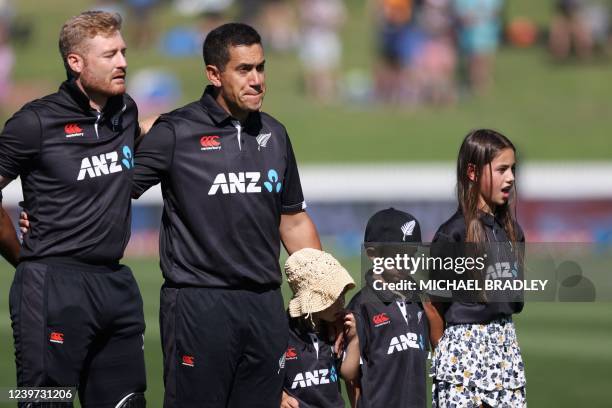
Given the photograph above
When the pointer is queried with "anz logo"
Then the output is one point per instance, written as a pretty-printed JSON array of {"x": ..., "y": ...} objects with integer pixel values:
[
  {"x": 106, "y": 163},
  {"x": 315, "y": 377},
  {"x": 406, "y": 341},
  {"x": 245, "y": 182},
  {"x": 502, "y": 270}
]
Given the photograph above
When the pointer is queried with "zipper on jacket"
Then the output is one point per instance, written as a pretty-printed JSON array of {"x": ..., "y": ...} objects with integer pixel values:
[
  {"x": 238, "y": 127},
  {"x": 315, "y": 342},
  {"x": 98, "y": 115}
]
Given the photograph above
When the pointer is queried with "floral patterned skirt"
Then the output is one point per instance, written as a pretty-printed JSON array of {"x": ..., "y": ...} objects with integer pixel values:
[{"x": 478, "y": 363}]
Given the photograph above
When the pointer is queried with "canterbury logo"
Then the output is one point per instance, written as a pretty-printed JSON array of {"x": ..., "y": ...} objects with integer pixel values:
[
  {"x": 407, "y": 229},
  {"x": 291, "y": 354},
  {"x": 56, "y": 337},
  {"x": 73, "y": 130},
  {"x": 210, "y": 143},
  {"x": 380, "y": 319},
  {"x": 262, "y": 140},
  {"x": 188, "y": 361}
]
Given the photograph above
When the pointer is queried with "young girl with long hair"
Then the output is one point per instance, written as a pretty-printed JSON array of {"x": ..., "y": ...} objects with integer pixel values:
[{"x": 477, "y": 362}]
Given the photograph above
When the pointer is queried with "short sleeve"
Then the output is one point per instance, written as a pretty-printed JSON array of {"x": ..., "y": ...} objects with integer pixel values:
[
  {"x": 153, "y": 157},
  {"x": 19, "y": 143},
  {"x": 444, "y": 245},
  {"x": 292, "y": 198},
  {"x": 355, "y": 307}
]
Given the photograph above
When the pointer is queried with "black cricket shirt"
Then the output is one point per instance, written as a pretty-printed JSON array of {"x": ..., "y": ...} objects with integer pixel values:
[
  {"x": 312, "y": 374},
  {"x": 225, "y": 186},
  {"x": 76, "y": 169},
  {"x": 502, "y": 259},
  {"x": 393, "y": 333}
]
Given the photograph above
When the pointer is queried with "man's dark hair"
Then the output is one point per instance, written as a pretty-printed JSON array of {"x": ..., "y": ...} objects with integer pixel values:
[{"x": 218, "y": 42}]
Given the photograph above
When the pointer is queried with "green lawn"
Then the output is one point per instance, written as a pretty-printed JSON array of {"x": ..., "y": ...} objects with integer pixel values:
[
  {"x": 566, "y": 347},
  {"x": 550, "y": 112}
]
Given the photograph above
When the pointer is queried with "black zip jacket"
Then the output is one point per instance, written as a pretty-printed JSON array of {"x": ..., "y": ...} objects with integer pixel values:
[{"x": 503, "y": 258}]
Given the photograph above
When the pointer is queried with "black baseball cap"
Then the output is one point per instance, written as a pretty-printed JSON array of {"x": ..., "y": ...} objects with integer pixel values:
[{"x": 392, "y": 226}]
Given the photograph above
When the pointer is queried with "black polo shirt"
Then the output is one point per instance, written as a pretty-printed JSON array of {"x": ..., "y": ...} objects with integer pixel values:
[
  {"x": 502, "y": 262},
  {"x": 312, "y": 373},
  {"x": 76, "y": 169},
  {"x": 393, "y": 333},
  {"x": 225, "y": 186}
]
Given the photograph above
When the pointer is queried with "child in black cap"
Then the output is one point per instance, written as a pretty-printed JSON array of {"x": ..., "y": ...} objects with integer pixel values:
[{"x": 392, "y": 324}]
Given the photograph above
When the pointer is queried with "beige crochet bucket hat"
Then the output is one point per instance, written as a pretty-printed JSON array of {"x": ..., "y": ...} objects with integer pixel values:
[{"x": 317, "y": 280}]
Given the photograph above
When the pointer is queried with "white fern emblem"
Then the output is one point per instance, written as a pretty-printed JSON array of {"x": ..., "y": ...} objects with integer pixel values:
[
  {"x": 262, "y": 140},
  {"x": 407, "y": 228},
  {"x": 281, "y": 363}
]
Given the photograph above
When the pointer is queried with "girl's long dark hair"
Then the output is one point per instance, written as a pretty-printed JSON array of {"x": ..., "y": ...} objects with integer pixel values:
[{"x": 478, "y": 149}]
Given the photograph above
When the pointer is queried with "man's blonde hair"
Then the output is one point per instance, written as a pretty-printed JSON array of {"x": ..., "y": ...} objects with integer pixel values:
[{"x": 86, "y": 25}]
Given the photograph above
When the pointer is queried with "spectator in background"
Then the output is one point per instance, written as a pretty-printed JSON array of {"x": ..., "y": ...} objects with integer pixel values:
[
  {"x": 478, "y": 34},
  {"x": 7, "y": 57},
  {"x": 320, "y": 48},
  {"x": 141, "y": 31},
  {"x": 110, "y": 6},
  {"x": 277, "y": 23},
  {"x": 248, "y": 10},
  {"x": 435, "y": 64},
  {"x": 570, "y": 27},
  {"x": 397, "y": 43}
]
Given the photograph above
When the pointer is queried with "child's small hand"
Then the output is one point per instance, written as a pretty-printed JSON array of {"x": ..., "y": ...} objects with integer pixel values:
[
  {"x": 350, "y": 327},
  {"x": 288, "y": 401}
]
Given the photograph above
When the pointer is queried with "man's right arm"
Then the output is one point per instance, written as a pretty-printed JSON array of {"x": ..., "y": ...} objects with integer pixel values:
[
  {"x": 9, "y": 244},
  {"x": 19, "y": 145},
  {"x": 153, "y": 157}
]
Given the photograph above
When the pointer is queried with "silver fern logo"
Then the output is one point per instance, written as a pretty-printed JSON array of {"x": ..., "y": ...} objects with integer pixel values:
[
  {"x": 281, "y": 362},
  {"x": 262, "y": 140},
  {"x": 407, "y": 229}
]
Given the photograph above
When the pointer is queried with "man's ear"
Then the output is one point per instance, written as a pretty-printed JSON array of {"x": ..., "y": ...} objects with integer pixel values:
[
  {"x": 75, "y": 62},
  {"x": 472, "y": 173},
  {"x": 214, "y": 75}
]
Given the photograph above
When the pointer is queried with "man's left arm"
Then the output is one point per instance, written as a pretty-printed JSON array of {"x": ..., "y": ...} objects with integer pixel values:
[{"x": 297, "y": 231}]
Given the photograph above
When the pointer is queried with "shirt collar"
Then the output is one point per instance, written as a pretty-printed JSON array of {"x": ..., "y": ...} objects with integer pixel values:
[
  {"x": 486, "y": 218},
  {"x": 385, "y": 296},
  {"x": 220, "y": 115},
  {"x": 72, "y": 90},
  {"x": 216, "y": 112},
  {"x": 489, "y": 219}
]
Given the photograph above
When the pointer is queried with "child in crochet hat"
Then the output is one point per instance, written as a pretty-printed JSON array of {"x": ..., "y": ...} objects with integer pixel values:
[{"x": 323, "y": 342}]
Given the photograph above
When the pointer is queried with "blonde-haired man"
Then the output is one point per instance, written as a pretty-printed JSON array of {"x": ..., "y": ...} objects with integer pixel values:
[{"x": 76, "y": 311}]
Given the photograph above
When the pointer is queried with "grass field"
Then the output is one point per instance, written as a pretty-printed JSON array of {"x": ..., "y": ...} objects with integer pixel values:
[{"x": 567, "y": 348}]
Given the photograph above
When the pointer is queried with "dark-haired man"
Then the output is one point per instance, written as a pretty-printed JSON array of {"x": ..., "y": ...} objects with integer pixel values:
[{"x": 231, "y": 194}]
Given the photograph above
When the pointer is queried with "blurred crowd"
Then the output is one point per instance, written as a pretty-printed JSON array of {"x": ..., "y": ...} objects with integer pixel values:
[
  {"x": 435, "y": 51},
  {"x": 581, "y": 27},
  {"x": 427, "y": 52}
]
